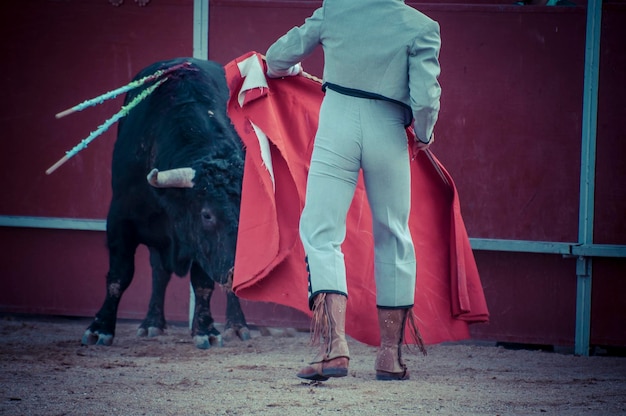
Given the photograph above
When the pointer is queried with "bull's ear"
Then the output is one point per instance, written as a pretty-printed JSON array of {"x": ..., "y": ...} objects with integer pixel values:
[{"x": 173, "y": 178}]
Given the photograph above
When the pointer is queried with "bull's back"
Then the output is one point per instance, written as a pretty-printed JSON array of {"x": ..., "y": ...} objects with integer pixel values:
[{"x": 149, "y": 130}]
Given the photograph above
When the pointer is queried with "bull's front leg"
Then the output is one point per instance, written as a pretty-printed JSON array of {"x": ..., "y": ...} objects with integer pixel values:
[
  {"x": 101, "y": 331},
  {"x": 235, "y": 320},
  {"x": 203, "y": 331}
]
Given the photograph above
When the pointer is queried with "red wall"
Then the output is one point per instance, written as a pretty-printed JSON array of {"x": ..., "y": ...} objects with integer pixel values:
[
  {"x": 509, "y": 133},
  {"x": 57, "y": 54}
]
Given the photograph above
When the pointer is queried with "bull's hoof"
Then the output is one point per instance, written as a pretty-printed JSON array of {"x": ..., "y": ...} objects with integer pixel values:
[
  {"x": 204, "y": 342},
  {"x": 229, "y": 334},
  {"x": 95, "y": 338},
  {"x": 152, "y": 331},
  {"x": 242, "y": 333}
]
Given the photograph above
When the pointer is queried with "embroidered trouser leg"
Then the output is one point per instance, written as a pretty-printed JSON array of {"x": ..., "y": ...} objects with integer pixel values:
[
  {"x": 388, "y": 186},
  {"x": 355, "y": 134}
]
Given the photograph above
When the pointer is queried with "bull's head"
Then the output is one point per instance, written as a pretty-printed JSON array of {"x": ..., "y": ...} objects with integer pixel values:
[{"x": 204, "y": 210}]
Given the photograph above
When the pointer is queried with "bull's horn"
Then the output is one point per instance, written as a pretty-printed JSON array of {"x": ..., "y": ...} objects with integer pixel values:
[{"x": 173, "y": 178}]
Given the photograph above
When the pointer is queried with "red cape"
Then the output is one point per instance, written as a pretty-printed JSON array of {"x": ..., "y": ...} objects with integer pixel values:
[{"x": 277, "y": 120}]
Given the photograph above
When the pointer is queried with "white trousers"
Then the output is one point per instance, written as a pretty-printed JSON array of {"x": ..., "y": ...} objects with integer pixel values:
[{"x": 354, "y": 134}]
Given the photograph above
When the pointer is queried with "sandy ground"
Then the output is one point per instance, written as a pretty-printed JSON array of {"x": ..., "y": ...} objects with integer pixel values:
[{"x": 45, "y": 371}]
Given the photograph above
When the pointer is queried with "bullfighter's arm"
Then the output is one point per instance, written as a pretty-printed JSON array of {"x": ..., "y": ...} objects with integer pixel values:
[
  {"x": 425, "y": 90},
  {"x": 283, "y": 56}
]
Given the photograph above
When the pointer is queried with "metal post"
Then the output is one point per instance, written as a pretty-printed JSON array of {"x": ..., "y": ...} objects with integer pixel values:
[
  {"x": 583, "y": 306},
  {"x": 587, "y": 176},
  {"x": 200, "y": 51},
  {"x": 201, "y": 29}
]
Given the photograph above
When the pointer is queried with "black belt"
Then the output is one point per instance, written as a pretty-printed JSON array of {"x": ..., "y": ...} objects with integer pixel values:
[{"x": 352, "y": 92}]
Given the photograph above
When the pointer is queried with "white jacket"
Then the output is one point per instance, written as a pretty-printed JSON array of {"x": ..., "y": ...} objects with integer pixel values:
[{"x": 382, "y": 47}]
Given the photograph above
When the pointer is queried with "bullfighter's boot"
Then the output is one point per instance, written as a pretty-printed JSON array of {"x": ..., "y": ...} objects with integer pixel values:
[
  {"x": 389, "y": 364},
  {"x": 329, "y": 322}
]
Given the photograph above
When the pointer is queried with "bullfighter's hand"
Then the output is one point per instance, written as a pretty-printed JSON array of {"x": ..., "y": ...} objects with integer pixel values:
[
  {"x": 289, "y": 72},
  {"x": 416, "y": 143},
  {"x": 420, "y": 145}
]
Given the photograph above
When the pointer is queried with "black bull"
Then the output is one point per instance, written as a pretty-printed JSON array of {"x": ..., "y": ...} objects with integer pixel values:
[{"x": 176, "y": 179}]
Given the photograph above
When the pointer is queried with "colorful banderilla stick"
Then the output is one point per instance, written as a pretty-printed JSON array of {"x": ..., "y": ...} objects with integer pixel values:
[
  {"x": 114, "y": 93},
  {"x": 123, "y": 112}
]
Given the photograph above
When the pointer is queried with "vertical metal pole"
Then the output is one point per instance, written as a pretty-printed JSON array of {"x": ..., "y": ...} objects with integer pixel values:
[
  {"x": 587, "y": 175},
  {"x": 200, "y": 51},
  {"x": 201, "y": 29}
]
